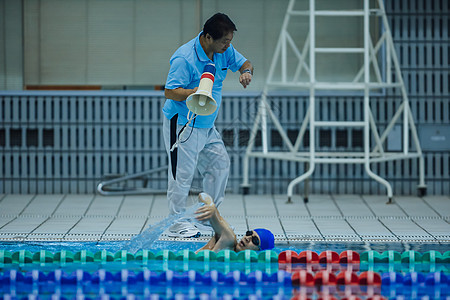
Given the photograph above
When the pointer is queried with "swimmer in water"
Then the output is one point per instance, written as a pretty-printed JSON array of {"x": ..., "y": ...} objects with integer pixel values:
[{"x": 224, "y": 237}]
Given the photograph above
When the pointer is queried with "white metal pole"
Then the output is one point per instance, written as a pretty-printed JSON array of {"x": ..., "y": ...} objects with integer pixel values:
[
  {"x": 388, "y": 42},
  {"x": 301, "y": 63},
  {"x": 263, "y": 109},
  {"x": 312, "y": 56},
  {"x": 311, "y": 109},
  {"x": 366, "y": 88},
  {"x": 422, "y": 184},
  {"x": 302, "y": 131},
  {"x": 367, "y": 105}
]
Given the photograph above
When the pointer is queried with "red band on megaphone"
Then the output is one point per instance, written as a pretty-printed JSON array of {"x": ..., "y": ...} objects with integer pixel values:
[{"x": 207, "y": 75}]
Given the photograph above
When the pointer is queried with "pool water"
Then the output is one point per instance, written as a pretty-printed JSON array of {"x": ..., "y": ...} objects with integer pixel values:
[
  {"x": 171, "y": 270},
  {"x": 180, "y": 245}
]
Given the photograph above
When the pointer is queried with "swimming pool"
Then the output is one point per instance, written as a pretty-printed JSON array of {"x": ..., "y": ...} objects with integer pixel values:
[{"x": 171, "y": 270}]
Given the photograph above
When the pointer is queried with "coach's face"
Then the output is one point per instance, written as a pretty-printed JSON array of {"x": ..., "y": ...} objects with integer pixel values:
[{"x": 221, "y": 45}]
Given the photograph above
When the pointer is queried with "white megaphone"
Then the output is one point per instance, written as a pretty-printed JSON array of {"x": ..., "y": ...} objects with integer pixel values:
[{"x": 201, "y": 102}]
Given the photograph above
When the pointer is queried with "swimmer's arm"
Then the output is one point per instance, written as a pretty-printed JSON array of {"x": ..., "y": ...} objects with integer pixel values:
[
  {"x": 210, "y": 213},
  {"x": 226, "y": 241},
  {"x": 210, "y": 245},
  {"x": 224, "y": 237}
]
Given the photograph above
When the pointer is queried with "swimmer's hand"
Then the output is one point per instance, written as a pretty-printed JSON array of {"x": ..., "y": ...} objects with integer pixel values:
[
  {"x": 206, "y": 211},
  {"x": 205, "y": 198}
]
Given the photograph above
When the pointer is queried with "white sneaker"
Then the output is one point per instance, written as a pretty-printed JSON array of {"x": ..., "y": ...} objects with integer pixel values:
[
  {"x": 204, "y": 227},
  {"x": 183, "y": 230}
]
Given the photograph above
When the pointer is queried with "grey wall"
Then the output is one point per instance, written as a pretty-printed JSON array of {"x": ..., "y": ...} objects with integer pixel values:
[
  {"x": 129, "y": 43},
  {"x": 103, "y": 42},
  {"x": 11, "y": 45},
  {"x": 116, "y": 43},
  {"x": 66, "y": 142}
]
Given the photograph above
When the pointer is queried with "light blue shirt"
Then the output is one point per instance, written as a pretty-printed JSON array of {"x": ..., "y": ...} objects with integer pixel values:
[{"x": 186, "y": 68}]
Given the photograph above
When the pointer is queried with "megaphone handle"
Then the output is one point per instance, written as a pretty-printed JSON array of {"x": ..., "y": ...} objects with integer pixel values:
[
  {"x": 194, "y": 115},
  {"x": 180, "y": 134},
  {"x": 183, "y": 129}
]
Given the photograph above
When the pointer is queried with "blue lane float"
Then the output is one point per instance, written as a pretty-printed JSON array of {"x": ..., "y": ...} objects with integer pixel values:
[
  {"x": 209, "y": 278},
  {"x": 415, "y": 278},
  {"x": 168, "y": 283},
  {"x": 11, "y": 277}
]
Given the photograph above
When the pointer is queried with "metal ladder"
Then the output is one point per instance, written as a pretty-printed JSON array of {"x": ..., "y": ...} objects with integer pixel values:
[{"x": 362, "y": 83}]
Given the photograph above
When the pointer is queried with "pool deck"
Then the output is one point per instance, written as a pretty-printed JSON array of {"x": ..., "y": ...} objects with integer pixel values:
[{"x": 345, "y": 218}]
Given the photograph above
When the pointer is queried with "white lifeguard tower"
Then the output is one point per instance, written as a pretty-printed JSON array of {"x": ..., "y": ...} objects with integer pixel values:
[{"x": 379, "y": 71}]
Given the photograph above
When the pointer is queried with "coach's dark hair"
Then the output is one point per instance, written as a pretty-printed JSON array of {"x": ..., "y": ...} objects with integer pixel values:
[{"x": 218, "y": 25}]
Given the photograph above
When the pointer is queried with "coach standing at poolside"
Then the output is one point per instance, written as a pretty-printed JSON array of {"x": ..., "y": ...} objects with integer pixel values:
[{"x": 201, "y": 145}]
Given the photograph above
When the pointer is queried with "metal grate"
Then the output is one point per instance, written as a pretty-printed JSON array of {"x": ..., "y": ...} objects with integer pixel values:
[{"x": 56, "y": 143}]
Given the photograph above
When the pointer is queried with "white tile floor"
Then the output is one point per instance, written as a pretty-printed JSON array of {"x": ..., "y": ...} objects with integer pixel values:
[{"x": 325, "y": 218}]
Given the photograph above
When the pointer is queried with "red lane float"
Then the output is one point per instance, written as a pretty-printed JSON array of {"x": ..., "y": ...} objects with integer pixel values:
[
  {"x": 347, "y": 278},
  {"x": 349, "y": 257},
  {"x": 327, "y": 297},
  {"x": 288, "y": 257},
  {"x": 300, "y": 297},
  {"x": 324, "y": 278},
  {"x": 329, "y": 257},
  {"x": 369, "y": 278},
  {"x": 308, "y": 257},
  {"x": 302, "y": 278}
]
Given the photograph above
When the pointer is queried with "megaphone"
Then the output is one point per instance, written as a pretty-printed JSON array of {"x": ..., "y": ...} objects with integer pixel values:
[{"x": 201, "y": 102}]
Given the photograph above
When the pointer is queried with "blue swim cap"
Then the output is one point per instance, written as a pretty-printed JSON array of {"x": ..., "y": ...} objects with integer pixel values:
[{"x": 266, "y": 237}]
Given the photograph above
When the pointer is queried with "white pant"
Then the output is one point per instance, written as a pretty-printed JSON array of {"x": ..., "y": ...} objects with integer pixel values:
[{"x": 200, "y": 148}]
